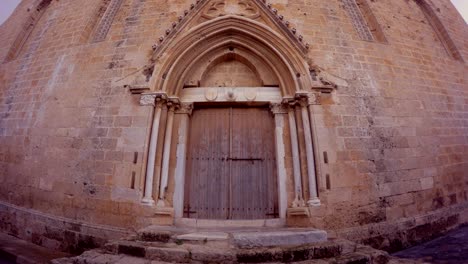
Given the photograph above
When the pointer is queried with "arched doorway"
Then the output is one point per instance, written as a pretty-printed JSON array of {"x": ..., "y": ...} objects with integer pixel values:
[
  {"x": 230, "y": 78},
  {"x": 231, "y": 166}
]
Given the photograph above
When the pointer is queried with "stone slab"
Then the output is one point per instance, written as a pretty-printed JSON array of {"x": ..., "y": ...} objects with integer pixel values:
[
  {"x": 20, "y": 251},
  {"x": 279, "y": 238},
  {"x": 204, "y": 236}
]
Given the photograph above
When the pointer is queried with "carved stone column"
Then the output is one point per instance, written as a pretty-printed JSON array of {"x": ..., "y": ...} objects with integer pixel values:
[
  {"x": 313, "y": 199},
  {"x": 184, "y": 111},
  {"x": 298, "y": 198},
  {"x": 166, "y": 153},
  {"x": 314, "y": 99},
  {"x": 157, "y": 101},
  {"x": 279, "y": 112}
]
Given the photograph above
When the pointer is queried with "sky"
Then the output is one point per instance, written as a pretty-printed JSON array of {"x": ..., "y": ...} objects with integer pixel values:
[{"x": 7, "y": 7}]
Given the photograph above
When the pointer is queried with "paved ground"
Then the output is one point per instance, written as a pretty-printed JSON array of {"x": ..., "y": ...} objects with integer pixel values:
[{"x": 452, "y": 248}]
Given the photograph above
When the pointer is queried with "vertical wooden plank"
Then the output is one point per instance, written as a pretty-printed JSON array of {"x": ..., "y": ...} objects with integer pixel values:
[
  {"x": 206, "y": 164},
  {"x": 253, "y": 175}
]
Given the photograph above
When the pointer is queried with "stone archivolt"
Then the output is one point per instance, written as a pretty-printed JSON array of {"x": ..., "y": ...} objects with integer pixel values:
[
  {"x": 205, "y": 10},
  {"x": 236, "y": 35}
]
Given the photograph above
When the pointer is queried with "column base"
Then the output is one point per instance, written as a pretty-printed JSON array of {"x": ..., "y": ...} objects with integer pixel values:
[
  {"x": 161, "y": 203},
  {"x": 298, "y": 202},
  {"x": 148, "y": 201},
  {"x": 314, "y": 202}
]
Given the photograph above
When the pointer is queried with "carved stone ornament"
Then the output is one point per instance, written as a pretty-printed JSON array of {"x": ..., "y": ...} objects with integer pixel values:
[
  {"x": 313, "y": 99},
  {"x": 307, "y": 98},
  {"x": 211, "y": 94},
  {"x": 231, "y": 94},
  {"x": 149, "y": 99},
  {"x": 278, "y": 109},
  {"x": 231, "y": 7},
  {"x": 185, "y": 108},
  {"x": 250, "y": 94}
]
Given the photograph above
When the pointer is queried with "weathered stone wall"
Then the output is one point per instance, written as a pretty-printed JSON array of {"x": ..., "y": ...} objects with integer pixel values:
[{"x": 73, "y": 140}]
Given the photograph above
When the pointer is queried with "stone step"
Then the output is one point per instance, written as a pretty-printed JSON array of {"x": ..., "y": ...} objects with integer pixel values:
[
  {"x": 196, "y": 254},
  {"x": 183, "y": 253},
  {"x": 242, "y": 238},
  {"x": 228, "y": 245},
  {"x": 278, "y": 238}
]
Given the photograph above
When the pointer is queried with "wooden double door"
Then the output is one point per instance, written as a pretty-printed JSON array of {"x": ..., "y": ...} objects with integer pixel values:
[{"x": 231, "y": 167}]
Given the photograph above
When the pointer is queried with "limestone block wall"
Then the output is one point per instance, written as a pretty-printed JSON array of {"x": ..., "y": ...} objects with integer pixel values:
[{"x": 73, "y": 140}]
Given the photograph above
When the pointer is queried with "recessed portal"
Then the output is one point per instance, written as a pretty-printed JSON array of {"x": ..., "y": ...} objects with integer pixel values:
[{"x": 231, "y": 167}]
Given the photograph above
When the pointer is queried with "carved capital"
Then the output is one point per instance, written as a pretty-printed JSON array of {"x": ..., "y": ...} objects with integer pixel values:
[
  {"x": 307, "y": 98},
  {"x": 173, "y": 103},
  {"x": 303, "y": 101},
  {"x": 160, "y": 102},
  {"x": 148, "y": 99},
  {"x": 289, "y": 101},
  {"x": 313, "y": 99},
  {"x": 277, "y": 109},
  {"x": 185, "y": 108},
  {"x": 153, "y": 99}
]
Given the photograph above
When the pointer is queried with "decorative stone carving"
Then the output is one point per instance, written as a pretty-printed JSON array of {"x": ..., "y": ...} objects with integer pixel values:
[
  {"x": 211, "y": 94},
  {"x": 147, "y": 99},
  {"x": 278, "y": 109},
  {"x": 231, "y": 94},
  {"x": 250, "y": 94},
  {"x": 313, "y": 99},
  {"x": 307, "y": 98},
  {"x": 246, "y": 8},
  {"x": 231, "y": 7},
  {"x": 185, "y": 108}
]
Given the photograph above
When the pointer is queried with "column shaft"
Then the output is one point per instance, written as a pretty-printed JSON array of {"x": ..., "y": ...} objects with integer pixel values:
[
  {"x": 148, "y": 195},
  {"x": 180, "y": 166},
  {"x": 298, "y": 200},
  {"x": 166, "y": 156},
  {"x": 313, "y": 199},
  {"x": 278, "y": 112}
]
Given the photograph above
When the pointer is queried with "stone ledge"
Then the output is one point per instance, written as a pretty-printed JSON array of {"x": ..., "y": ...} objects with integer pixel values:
[
  {"x": 20, "y": 251},
  {"x": 56, "y": 232}
]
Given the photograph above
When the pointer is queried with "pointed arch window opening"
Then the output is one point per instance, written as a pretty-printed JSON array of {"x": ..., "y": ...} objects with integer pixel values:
[
  {"x": 364, "y": 20},
  {"x": 27, "y": 29},
  {"x": 107, "y": 18},
  {"x": 440, "y": 30}
]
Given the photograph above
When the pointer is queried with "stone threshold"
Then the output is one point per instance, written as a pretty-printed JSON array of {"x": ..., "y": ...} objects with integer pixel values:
[{"x": 207, "y": 223}]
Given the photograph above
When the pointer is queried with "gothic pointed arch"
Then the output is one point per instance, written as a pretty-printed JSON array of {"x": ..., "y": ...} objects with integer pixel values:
[{"x": 245, "y": 32}]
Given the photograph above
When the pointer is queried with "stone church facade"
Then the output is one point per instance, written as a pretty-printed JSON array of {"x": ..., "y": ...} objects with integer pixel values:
[{"x": 343, "y": 115}]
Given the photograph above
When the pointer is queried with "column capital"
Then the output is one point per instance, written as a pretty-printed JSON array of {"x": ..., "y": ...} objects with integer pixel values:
[
  {"x": 152, "y": 99},
  {"x": 173, "y": 103},
  {"x": 278, "y": 108},
  {"x": 308, "y": 98},
  {"x": 185, "y": 108}
]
